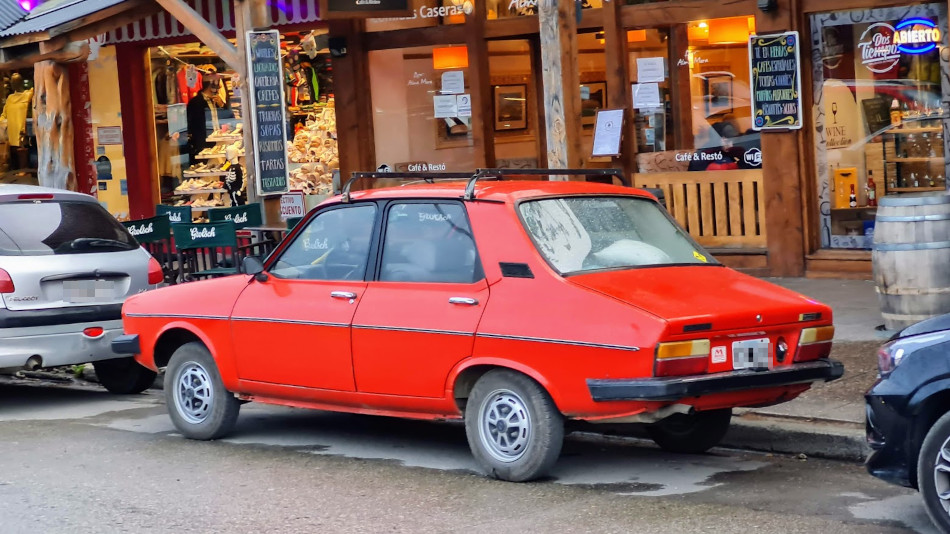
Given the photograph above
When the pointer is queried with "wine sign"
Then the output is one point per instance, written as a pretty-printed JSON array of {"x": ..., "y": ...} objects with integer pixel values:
[
  {"x": 775, "y": 65},
  {"x": 269, "y": 116}
]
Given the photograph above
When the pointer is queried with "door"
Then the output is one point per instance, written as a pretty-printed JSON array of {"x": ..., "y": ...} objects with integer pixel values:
[
  {"x": 417, "y": 320},
  {"x": 294, "y": 328}
]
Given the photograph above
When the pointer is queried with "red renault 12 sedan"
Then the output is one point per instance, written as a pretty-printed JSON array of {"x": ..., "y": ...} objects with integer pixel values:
[{"x": 512, "y": 305}]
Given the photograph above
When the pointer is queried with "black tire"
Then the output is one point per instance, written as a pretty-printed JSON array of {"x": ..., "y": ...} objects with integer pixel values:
[
  {"x": 931, "y": 484},
  {"x": 197, "y": 401},
  {"x": 693, "y": 433},
  {"x": 510, "y": 454},
  {"x": 124, "y": 376}
]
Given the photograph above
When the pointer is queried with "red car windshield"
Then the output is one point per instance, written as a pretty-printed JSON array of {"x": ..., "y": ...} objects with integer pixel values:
[{"x": 579, "y": 234}]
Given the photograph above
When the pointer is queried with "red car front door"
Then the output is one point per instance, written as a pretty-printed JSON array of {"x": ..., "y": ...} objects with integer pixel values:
[
  {"x": 294, "y": 328},
  {"x": 418, "y": 320}
]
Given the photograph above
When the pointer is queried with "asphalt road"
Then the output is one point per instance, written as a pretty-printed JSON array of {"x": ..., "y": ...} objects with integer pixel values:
[{"x": 76, "y": 459}]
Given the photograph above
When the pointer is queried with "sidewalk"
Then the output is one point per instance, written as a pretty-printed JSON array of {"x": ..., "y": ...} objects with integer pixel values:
[{"x": 828, "y": 419}]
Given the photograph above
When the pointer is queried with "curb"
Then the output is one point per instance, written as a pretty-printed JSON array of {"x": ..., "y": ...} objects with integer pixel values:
[{"x": 818, "y": 438}]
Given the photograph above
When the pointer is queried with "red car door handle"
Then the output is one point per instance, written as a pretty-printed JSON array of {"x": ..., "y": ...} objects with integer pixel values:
[
  {"x": 463, "y": 300},
  {"x": 348, "y": 295}
]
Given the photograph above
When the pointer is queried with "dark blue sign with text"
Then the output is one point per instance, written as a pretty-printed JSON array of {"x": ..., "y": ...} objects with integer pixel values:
[{"x": 266, "y": 82}]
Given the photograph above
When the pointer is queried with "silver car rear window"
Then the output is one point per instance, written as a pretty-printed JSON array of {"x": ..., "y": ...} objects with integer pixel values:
[{"x": 59, "y": 227}]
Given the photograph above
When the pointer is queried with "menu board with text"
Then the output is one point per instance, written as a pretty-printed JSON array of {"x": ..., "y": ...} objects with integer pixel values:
[
  {"x": 775, "y": 68},
  {"x": 269, "y": 117}
]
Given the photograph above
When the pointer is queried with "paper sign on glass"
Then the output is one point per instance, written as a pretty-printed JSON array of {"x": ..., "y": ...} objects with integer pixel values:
[
  {"x": 446, "y": 106},
  {"x": 650, "y": 69},
  {"x": 646, "y": 95},
  {"x": 608, "y": 131},
  {"x": 464, "y": 103},
  {"x": 453, "y": 82}
]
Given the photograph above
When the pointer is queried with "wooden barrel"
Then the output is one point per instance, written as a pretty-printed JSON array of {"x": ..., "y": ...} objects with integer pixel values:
[{"x": 911, "y": 257}]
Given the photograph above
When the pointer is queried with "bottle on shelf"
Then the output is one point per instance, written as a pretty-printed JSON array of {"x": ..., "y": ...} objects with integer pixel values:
[
  {"x": 871, "y": 191},
  {"x": 914, "y": 180},
  {"x": 895, "y": 112},
  {"x": 852, "y": 198},
  {"x": 928, "y": 180}
]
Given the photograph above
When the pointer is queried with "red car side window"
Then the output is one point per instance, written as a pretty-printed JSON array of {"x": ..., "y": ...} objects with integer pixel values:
[
  {"x": 428, "y": 242},
  {"x": 333, "y": 246}
]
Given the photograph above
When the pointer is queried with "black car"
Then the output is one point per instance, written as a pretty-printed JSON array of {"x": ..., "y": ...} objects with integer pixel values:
[{"x": 908, "y": 414}]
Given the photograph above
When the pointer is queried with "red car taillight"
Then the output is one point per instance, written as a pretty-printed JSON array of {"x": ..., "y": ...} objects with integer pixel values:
[
  {"x": 682, "y": 358},
  {"x": 155, "y": 274},
  {"x": 814, "y": 343},
  {"x": 6, "y": 283}
]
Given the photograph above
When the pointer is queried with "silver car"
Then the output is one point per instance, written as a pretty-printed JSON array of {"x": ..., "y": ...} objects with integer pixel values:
[{"x": 66, "y": 266}]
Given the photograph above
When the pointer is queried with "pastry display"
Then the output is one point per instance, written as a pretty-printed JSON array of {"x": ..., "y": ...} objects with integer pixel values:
[{"x": 316, "y": 151}]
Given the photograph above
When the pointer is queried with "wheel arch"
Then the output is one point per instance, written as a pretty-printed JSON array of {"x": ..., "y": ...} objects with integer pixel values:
[
  {"x": 929, "y": 404},
  {"x": 462, "y": 379},
  {"x": 173, "y": 336}
]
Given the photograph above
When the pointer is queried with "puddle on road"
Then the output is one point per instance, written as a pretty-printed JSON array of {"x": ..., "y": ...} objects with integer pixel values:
[{"x": 25, "y": 402}]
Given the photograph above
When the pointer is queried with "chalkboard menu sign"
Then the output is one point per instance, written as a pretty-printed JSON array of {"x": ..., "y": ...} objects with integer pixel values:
[
  {"x": 266, "y": 81},
  {"x": 776, "y": 93}
]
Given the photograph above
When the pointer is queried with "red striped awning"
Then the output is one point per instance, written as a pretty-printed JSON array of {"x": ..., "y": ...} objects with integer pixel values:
[{"x": 219, "y": 13}]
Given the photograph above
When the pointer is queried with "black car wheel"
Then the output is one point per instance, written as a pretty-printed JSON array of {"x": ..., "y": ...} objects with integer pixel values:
[
  {"x": 933, "y": 472},
  {"x": 123, "y": 376},
  {"x": 693, "y": 433}
]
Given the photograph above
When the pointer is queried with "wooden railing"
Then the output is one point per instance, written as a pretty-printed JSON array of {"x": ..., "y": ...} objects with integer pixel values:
[{"x": 720, "y": 209}]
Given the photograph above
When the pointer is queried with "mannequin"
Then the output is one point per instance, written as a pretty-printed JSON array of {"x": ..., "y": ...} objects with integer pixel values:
[{"x": 16, "y": 110}]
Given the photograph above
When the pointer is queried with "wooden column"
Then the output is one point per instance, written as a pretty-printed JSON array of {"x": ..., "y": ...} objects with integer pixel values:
[
  {"x": 84, "y": 147},
  {"x": 537, "y": 66},
  {"x": 618, "y": 90},
  {"x": 138, "y": 135},
  {"x": 783, "y": 170},
  {"x": 479, "y": 80},
  {"x": 680, "y": 97},
  {"x": 561, "y": 82},
  {"x": 354, "y": 112},
  {"x": 53, "y": 126}
]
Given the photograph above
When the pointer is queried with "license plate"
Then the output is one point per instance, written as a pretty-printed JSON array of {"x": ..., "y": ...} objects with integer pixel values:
[
  {"x": 751, "y": 354},
  {"x": 88, "y": 291}
]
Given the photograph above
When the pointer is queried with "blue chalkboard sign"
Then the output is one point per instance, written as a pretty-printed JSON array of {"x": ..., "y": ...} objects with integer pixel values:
[
  {"x": 775, "y": 65},
  {"x": 269, "y": 117}
]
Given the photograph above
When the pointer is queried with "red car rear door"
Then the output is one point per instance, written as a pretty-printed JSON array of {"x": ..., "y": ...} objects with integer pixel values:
[
  {"x": 294, "y": 328},
  {"x": 418, "y": 319}
]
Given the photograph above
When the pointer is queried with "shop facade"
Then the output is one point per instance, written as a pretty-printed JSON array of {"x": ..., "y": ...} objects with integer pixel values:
[{"x": 456, "y": 85}]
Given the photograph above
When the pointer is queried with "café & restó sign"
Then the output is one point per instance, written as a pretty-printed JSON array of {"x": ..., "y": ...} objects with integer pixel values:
[{"x": 882, "y": 44}]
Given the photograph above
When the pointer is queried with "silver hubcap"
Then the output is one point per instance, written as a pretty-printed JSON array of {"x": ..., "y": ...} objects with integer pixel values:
[
  {"x": 504, "y": 425},
  {"x": 194, "y": 396}
]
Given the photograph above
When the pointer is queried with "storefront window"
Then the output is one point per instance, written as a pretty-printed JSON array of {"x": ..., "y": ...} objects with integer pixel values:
[
  {"x": 199, "y": 123},
  {"x": 422, "y": 109},
  {"x": 697, "y": 80},
  {"x": 515, "y": 116},
  {"x": 17, "y": 141},
  {"x": 879, "y": 86}
]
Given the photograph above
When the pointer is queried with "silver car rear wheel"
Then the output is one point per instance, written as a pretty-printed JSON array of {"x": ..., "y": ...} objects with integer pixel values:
[{"x": 505, "y": 428}]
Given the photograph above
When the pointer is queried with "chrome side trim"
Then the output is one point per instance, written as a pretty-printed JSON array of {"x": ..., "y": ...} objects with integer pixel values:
[
  {"x": 287, "y": 321},
  {"x": 417, "y": 330},
  {"x": 560, "y": 342},
  {"x": 178, "y": 316}
]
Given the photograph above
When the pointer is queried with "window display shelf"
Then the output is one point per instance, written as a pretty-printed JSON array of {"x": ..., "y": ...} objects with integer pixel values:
[
  {"x": 859, "y": 208},
  {"x": 908, "y": 131},
  {"x": 917, "y": 159},
  {"x": 210, "y": 156},
  {"x": 204, "y": 174},
  {"x": 913, "y": 189},
  {"x": 225, "y": 138},
  {"x": 200, "y": 191}
]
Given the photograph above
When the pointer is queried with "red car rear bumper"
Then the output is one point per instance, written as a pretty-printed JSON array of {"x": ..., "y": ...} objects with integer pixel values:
[{"x": 674, "y": 388}]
